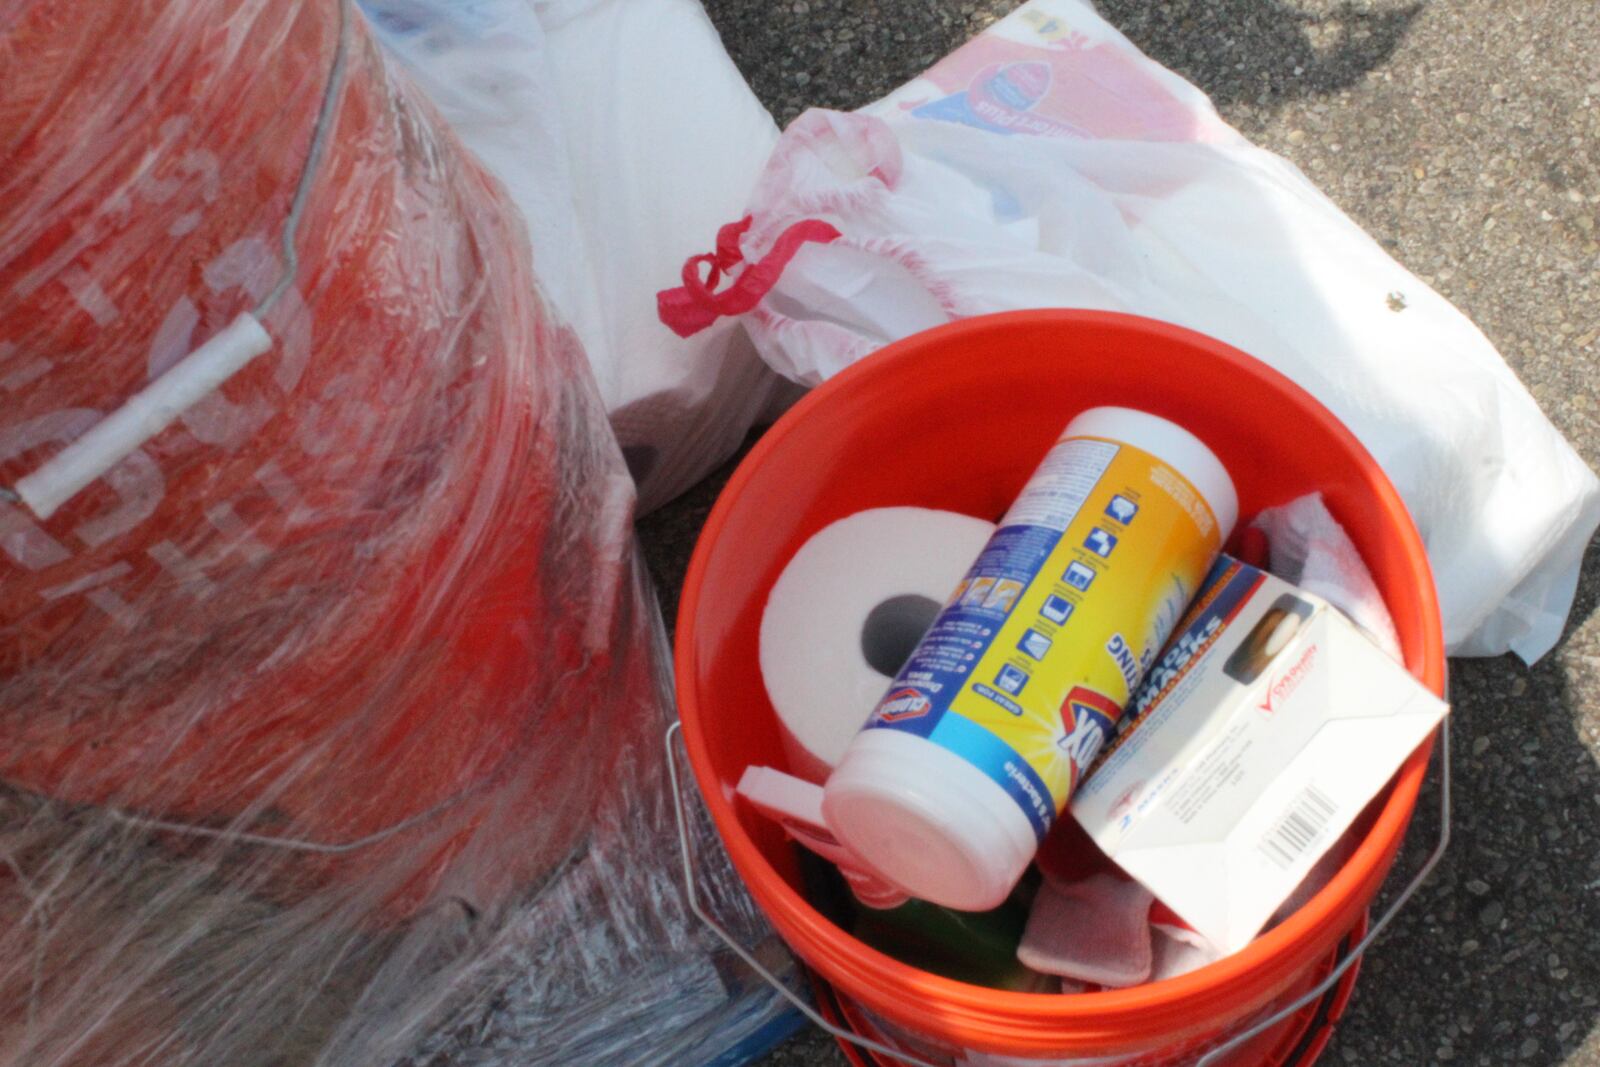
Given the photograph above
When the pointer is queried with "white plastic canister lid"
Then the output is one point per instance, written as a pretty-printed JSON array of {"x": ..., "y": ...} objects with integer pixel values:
[{"x": 932, "y": 824}]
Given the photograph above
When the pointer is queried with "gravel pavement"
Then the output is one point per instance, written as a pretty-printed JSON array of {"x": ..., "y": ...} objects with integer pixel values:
[{"x": 1465, "y": 136}]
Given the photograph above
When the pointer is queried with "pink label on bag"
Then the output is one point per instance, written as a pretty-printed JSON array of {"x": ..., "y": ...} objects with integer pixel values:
[{"x": 1064, "y": 86}]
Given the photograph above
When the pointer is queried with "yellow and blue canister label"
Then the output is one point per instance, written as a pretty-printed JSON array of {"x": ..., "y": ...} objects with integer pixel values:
[{"x": 1026, "y": 670}]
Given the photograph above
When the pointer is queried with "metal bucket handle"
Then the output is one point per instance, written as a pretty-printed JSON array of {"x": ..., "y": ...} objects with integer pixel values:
[{"x": 1208, "y": 1060}]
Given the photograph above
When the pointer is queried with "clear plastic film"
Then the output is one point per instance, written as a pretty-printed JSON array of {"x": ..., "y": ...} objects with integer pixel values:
[{"x": 330, "y": 709}]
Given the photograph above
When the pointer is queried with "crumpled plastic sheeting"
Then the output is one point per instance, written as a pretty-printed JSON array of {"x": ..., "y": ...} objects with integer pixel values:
[
  {"x": 330, "y": 717},
  {"x": 641, "y": 986},
  {"x": 1048, "y": 163},
  {"x": 1311, "y": 549},
  {"x": 600, "y": 964}
]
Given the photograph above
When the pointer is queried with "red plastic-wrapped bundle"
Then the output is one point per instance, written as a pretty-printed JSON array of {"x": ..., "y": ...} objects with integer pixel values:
[
  {"x": 331, "y": 565},
  {"x": 354, "y": 650}
]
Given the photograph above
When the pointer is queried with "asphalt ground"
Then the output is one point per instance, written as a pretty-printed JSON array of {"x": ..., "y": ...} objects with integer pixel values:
[{"x": 1464, "y": 135}]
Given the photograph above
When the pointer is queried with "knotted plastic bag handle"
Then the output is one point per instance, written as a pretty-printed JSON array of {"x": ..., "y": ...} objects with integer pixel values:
[{"x": 695, "y": 305}]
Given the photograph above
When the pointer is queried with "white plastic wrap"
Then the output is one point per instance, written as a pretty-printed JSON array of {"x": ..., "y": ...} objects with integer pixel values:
[
  {"x": 330, "y": 710},
  {"x": 1048, "y": 163},
  {"x": 1310, "y": 548}
]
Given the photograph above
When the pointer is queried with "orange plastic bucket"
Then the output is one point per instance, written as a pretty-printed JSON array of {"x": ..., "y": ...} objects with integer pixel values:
[{"x": 956, "y": 418}]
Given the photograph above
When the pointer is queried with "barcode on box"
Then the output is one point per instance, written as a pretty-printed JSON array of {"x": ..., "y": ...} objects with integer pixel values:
[{"x": 1298, "y": 828}]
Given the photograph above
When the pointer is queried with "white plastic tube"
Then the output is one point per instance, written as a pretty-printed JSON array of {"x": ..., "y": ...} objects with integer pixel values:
[
  {"x": 146, "y": 414},
  {"x": 977, "y": 745}
]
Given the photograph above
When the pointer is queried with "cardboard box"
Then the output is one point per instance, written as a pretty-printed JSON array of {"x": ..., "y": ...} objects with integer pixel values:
[{"x": 1266, "y": 726}]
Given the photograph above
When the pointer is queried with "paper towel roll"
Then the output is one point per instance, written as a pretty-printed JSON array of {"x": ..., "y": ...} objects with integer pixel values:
[{"x": 845, "y": 614}]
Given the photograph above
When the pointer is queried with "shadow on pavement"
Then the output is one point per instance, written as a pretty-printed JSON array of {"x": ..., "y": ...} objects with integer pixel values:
[{"x": 1258, "y": 50}]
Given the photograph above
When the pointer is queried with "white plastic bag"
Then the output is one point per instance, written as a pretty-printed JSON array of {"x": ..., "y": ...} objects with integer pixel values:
[
  {"x": 1049, "y": 163},
  {"x": 625, "y": 135}
]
